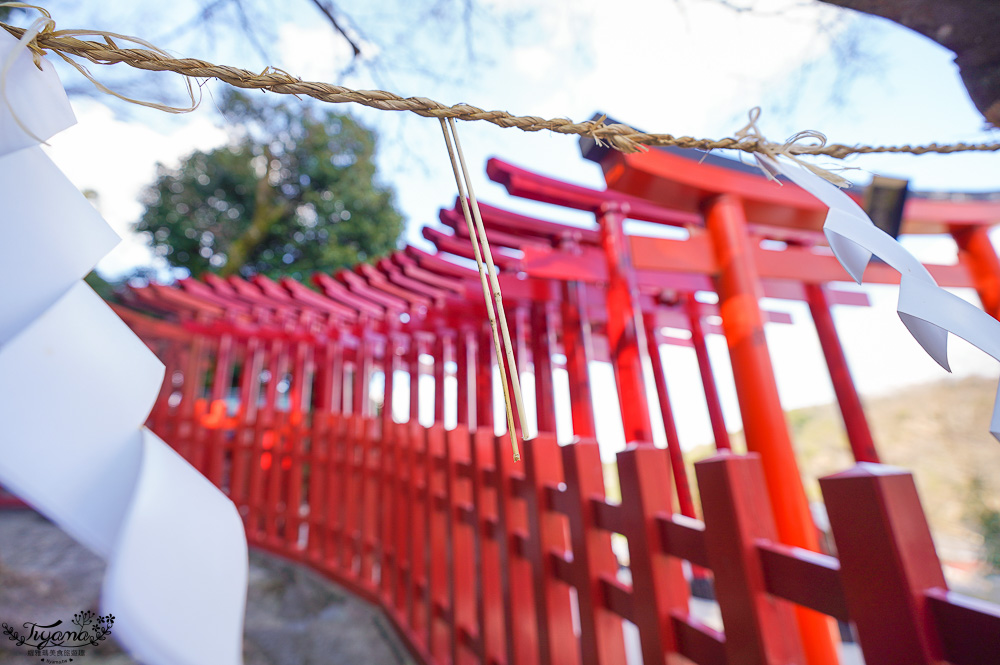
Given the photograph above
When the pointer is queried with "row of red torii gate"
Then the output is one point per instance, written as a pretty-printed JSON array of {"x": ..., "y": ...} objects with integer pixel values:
[{"x": 477, "y": 559}]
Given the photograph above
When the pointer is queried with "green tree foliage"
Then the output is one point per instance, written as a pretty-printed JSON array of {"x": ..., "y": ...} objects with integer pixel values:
[
  {"x": 986, "y": 520},
  {"x": 295, "y": 191}
]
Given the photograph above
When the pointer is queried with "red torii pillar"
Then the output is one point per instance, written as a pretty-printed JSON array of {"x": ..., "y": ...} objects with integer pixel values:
[
  {"x": 977, "y": 252},
  {"x": 578, "y": 347},
  {"x": 625, "y": 332},
  {"x": 859, "y": 435},
  {"x": 763, "y": 418}
]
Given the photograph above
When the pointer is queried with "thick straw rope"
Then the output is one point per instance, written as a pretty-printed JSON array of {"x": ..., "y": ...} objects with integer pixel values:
[{"x": 621, "y": 137}]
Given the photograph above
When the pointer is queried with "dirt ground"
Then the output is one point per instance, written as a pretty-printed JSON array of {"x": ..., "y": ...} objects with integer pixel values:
[{"x": 294, "y": 617}]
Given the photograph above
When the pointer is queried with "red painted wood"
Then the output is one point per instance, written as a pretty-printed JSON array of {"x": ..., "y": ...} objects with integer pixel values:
[
  {"x": 712, "y": 399},
  {"x": 442, "y": 347},
  {"x": 763, "y": 418},
  {"x": 318, "y": 457},
  {"x": 807, "y": 578},
  {"x": 473, "y": 557},
  {"x": 418, "y": 581},
  {"x": 489, "y": 604},
  {"x": 547, "y": 537},
  {"x": 658, "y": 585},
  {"x": 625, "y": 334},
  {"x": 462, "y": 582},
  {"x": 484, "y": 380},
  {"x": 439, "y": 542},
  {"x": 524, "y": 183},
  {"x": 293, "y": 445},
  {"x": 681, "y": 484},
  {"x": 977, "y": 252},
  {"x": 601, "y": 640},
  {"x": 373, "y": 441},
  {"x": 465, "y": 376},
  {"x": 969, "y": 627},
  {"x": 734, "y": 502},
  {"x": 858, "y": 433},
  {"x": 792, "y": 263},
  {"x": 542, "y": 343},
  {"x": 888, "y": 561}
]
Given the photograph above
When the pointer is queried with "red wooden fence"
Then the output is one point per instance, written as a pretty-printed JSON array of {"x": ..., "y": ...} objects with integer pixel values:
[{"x": 480, "y": 560}]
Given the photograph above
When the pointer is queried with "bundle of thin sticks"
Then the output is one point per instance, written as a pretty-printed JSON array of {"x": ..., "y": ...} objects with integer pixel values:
[{"x": 488, "y": 278}]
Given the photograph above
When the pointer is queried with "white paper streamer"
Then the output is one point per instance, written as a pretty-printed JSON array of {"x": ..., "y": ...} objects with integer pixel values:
[
  {"x": 927, "y": 310},
  {"x": 75, "y": 387}
]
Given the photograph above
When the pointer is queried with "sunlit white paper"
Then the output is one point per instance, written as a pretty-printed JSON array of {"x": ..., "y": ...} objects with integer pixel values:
[
  {"x": 36, "y": 96},
  {"x": 928, "y": 311},
  {"x": 52, "y": 237},
  {"x": 75, "y": 387},
  {"x": 76, "y": 384},
  {"x": 148, "y": 584}
]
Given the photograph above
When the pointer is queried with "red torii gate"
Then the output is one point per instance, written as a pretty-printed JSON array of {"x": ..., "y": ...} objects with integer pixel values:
[{"x": 268, "y": 386}]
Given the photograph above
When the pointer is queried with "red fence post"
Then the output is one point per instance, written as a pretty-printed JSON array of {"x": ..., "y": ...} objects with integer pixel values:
[
  {"x": 266, "y": 491},
  {"x": 388, "y": 480},
  {"x": 223, "y": 376},
  {"x": 658, "y": 585},
  {"x": 188, "y": 432},
  {"x": 293, "y": 445},
  {"x": 244, "y": 437},
  {"x": 465, "y": 375},
  {"x": 737, "y": 513},
  {"x": 601, "y": 639},
  {"x": 490, "y": 604},
  {"x": 440, "y": 350},
  {"x": 516, "y": 576},
  {"x": 391, "y": 519},
  {"x": 557, "y": 643},
  {"x": 373, "y": 438},
  {"x": 350, "y": 494},
  {"x": 336, "y": 483},
  {"x": 542, "y": 344},
  {"x": 439, "y": 547},
  {"x": 462, "y": 582},
  {"x": 320, "y": 449},
  {"x": 484, "y": 381},
  {"x": 887, "y": 562}
]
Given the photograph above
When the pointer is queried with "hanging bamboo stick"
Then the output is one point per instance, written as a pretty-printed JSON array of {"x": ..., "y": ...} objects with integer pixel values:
[{"x": 487, "y": 277}]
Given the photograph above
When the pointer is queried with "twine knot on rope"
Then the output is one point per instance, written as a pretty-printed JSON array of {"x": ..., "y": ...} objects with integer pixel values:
[
  {"x": 750, "y": 139},
  {"x": 45, "y": 27}
]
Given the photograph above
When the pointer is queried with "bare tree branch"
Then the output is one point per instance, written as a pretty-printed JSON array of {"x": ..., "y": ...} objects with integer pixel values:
[{"x": 327, "y": 9}]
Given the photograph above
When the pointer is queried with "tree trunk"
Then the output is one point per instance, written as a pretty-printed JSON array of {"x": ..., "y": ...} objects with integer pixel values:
[{"x": 265, "y": 214}]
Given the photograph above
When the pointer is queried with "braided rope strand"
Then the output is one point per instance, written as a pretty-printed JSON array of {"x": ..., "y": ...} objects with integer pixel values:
[{"x": 619, "y": 136}]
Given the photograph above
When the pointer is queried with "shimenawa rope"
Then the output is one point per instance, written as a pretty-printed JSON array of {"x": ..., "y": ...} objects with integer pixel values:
[{"x": 621, "y": 137}]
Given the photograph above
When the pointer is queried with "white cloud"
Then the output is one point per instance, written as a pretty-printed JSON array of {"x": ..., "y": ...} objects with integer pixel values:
[
  {"x": 314, "y": 52},
  {"x": 117, "y": 160}
]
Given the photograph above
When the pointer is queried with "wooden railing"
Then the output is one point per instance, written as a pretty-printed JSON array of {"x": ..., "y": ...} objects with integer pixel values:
[{"x": 478, "y": 559}]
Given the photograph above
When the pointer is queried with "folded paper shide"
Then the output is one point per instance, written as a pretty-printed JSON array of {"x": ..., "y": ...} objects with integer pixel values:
[
  {"x": 928, "y": 311},
  {"x": 76, "y": 386}
]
